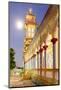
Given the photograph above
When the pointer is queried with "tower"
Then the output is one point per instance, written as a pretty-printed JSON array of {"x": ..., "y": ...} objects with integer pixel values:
[{"x": 30, "y": 27}]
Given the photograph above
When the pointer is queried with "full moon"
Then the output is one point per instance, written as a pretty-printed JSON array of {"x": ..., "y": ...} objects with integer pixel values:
[{"x": 19, "y": 24}]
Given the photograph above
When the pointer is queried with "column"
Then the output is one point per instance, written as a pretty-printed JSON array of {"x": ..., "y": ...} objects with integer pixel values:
[
  {"x": 35, "y": 58},
  {"x": 24, "y": 67},
  {"x": 30, "y": 63},
  {"x": 34, "y": 61},
  {"x": 40, "y": 51},
  {"x": 53, "y": 40},
  {"x": 45, "y": 48},
  {"x": 38, "y": 62}
]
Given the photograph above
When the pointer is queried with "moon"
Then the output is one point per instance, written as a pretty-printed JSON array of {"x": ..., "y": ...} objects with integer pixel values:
[{"x": 19, "y": 24}]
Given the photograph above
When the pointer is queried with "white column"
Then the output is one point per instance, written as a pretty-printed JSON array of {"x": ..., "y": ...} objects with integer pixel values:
[
  {"x": 45, "y": 48},
  {"x": 53, "y": 40}
]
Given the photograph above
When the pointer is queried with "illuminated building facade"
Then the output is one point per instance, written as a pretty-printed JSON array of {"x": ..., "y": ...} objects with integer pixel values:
[
  {"x": 41, "y": 47},
  {"x": 30, "y": 28}
]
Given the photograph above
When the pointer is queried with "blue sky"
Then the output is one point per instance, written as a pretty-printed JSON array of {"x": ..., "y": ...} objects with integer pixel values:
[{"x": 18, "y": 11}]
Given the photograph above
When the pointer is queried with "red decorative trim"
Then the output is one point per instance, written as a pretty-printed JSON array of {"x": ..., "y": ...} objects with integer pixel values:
[
  {"x": 45, "y": 47},
  {"x": 41, "y": 49},
  {"x": 37, "y": 52},
  {"x": 53, "y": 40},
  {"x": 34, "y": 55}
]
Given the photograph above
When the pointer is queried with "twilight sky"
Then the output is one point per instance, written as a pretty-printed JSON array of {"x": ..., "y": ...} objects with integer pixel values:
[{"x": 17, "y": 11}]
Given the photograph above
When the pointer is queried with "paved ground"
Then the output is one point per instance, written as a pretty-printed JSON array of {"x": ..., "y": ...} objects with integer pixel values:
[{"x": 16, "y": 81}]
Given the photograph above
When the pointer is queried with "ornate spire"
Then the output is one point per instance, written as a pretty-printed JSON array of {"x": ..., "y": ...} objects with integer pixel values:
[{"x": 30, "y": 11}]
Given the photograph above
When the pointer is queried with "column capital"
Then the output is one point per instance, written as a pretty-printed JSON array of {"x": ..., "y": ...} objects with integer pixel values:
[
  {"x": 53, "y": 40},
  {"x": 34, "y": 55},
  {"x": 45, "y": 47},
  {"x": 41, "y": 49},
  {"x": 37, "y": 52}
]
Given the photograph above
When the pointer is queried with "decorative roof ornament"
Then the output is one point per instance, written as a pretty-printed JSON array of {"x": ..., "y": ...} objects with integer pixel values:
[{"x": 30, "y": 11}]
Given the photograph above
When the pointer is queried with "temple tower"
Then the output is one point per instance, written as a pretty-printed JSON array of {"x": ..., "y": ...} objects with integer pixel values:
[{"x": 30, "y": 27}]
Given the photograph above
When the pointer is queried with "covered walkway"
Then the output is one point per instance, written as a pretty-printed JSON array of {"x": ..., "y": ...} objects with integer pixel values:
[{"x": 42, "y": 55}]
